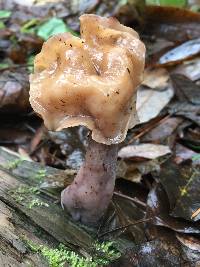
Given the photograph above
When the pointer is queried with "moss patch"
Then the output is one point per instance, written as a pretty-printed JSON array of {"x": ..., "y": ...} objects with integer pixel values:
[
  {"x": 26, "y": 195},
  {"x": 103, "y": 254}
]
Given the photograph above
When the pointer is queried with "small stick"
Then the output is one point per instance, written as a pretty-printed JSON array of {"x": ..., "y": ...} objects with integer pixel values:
[
  {"x": 148, "y": 128},
  {"x": 125, "y": 227},
  {"x": 135, "y": 200}
]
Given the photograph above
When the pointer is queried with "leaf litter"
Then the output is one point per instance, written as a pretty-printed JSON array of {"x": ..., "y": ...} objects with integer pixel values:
[{"x": 158, "y": 168}]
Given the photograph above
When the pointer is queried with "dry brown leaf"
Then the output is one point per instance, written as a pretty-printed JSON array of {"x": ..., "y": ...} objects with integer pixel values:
[
  {"x": 156, "y": 78},
  {"x": 14, "y": 88},
  {"x": 190, "y": 69},
  {"x": 151, "y": 102},
  {"x": 148, "y": 151}
]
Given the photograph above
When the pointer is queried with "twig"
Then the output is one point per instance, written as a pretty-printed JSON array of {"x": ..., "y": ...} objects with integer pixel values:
[
  {"x": 148, "y": 128},
  {"x": 135, "y": 200},
  {"x": 125, "y": 227}
]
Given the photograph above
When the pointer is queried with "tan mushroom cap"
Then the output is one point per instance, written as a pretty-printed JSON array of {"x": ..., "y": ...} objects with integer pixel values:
[{"x": 90, "y": 81}]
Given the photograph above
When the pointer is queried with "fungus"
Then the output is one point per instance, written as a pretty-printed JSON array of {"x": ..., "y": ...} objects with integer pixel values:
[{"x": 90, "y": 81}]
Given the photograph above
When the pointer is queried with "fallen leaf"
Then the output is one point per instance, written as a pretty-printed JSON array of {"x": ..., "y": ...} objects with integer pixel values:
[
  {"x": 190, "y": 246},
  {"x": 188, "y": 202},
  {"x": 172, "y": 23},
  {"x": 183, "y": 153},
  {"x": 189, "y": 241},
  {"x": 148, "y": 151},
  {"x": 178, "y": 3},
  {"x": 14, "y": 91},
  {"x": 190, "y": 69},
  {"x": 163, "y": 131},
  {"x": 153, "y": 253},
  {"x": 172, "y": 180},
  {"x": 155, "y": 78},
  {"x": 133, "y": 171},
  {"x": 186, "y": 110},
  {"x": 51, "y": 27},
  {"x": 185, "y": 89},
  {"x": 182, "y": 185},
  {"x": 151, "y": 101},
  {"x": 158, "y": 208},
  {"x": 4, "y": 14},
  {"x": 180, "y": 53}
]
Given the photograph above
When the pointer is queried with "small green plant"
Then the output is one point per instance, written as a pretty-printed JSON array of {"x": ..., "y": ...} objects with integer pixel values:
[
  {"x": 105, "y": 253},
  {"x": 27, "y": 190},
  {"x": 40, "y": 175},
  {"x": 37, "y": 203},
  {"x": 178, "y": 3},
  {"x": 13, "y": 164},
  {"x": 196, "y": 157},
  {"x": 5, "y": 14},
  {"x": 59, "y": 256},
  {"x": 26, "y": 194}
]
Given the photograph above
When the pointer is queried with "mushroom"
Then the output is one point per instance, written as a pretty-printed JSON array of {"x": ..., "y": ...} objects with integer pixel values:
[{"x": 90, "y": 81}]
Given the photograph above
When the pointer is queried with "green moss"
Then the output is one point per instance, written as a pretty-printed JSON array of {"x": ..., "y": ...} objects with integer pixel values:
[
  {"x": 26, "y": 195},
  {"x": 13, "y": 164},
  {"x": 104, "y": 253},
  {"x": 37, "y": 203},
  {"x": 40, "y": 175},
  {"x": 27, "y": 190}
]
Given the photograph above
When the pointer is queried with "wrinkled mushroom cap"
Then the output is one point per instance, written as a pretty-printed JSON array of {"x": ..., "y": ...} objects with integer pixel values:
[{"x": 91, "y": 80}]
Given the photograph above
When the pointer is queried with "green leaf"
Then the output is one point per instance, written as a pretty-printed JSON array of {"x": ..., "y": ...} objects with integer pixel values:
[
  {"x": 4, "y": 14},
  {"x": 30, "y": 26},
  {"x": 51, "y": 27},
  {"x": 2, "y": 25},
  {"x": 196, "y": 157},
  {"x": 4, "y": 65},
  {"x": 179, "y": 3}
]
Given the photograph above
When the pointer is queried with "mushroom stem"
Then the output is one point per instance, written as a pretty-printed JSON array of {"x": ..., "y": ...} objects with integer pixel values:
[{"x": 88, "y": 197}]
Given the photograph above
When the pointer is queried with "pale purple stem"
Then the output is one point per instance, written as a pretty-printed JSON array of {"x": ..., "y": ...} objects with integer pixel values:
[{"x": 88, "y": 197}]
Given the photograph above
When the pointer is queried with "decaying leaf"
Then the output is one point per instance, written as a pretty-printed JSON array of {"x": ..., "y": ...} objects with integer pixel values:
[
  {"x": 185, "y": 89},
  {"x": 186, "y": 110},
  {"x": 133, "y": 171},
  {"x": 171, "y": 36},
  {"x": 156, "y": 78},
  {"x": 163, "y": 131},
  {"x": 190, "y": 69},
  {"x": 158, "y": 208},
  {"x": 14, "y": 88},
  {"x": 183, "y": 153},
  {"x": 148, "y": 151},
  {"x": 171, "y": 23},
  {"x": 180, "y": 53},
  {"x": 188, "y": 202},
  {"x": 190, "y": 246},
  {"x": 189, "y": 241},
  {"x": 148, "y": 106},
  {"x": 182, "y": 185},
  {"x": 153, "y": 253}
]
